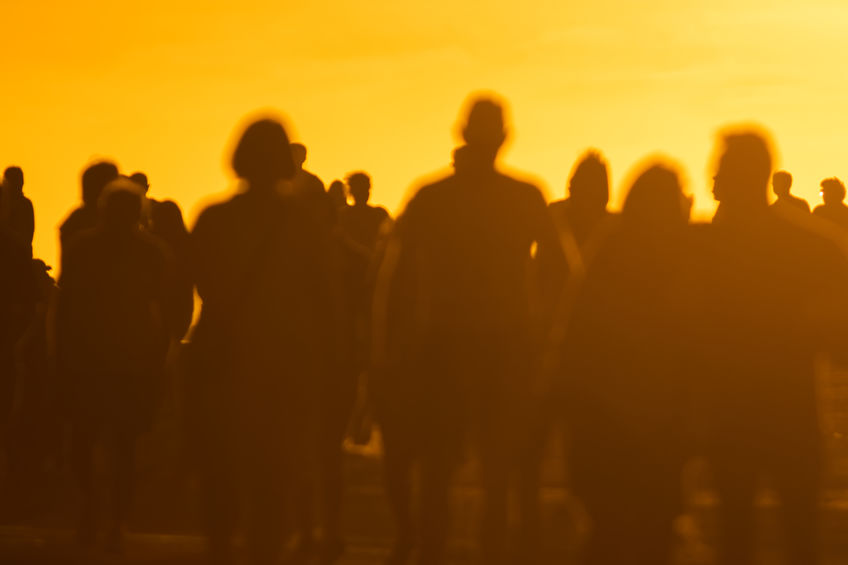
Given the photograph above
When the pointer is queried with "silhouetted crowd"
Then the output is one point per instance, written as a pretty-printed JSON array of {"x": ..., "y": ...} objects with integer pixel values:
[{"x": 476, "y": 325}]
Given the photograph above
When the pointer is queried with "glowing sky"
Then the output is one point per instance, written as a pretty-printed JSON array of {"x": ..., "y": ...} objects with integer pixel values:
[{"x": 160, "y": 86}]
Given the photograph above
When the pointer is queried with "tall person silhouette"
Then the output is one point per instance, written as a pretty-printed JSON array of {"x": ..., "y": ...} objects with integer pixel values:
[
  {"x": 258, "y": 348},
  {"x": 457, "y": 328},
  {"x": 624, "y": 376},
  {"x": 770, "y": 300},
  {"x": 94, "y": 179},
  {"x": 112, "y": 341},
  {"x": 15, "y": 208}
]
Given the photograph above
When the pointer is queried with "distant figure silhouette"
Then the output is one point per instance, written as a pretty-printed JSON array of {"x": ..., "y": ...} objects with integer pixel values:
[
  {"x": 94, "y": 178},
  {"x": 624, "y": 377},
  {"x": 361, "y": 221},
  {"x": 148, "y": 203},
  {"x": 454, "y": 332},
  {"x": 337, "y": 194},
  {"x": 303, "y": 181},
  {"x": 258, "y": 350},
  {"x": 166, "y": 222},
  {"x": 112, "y": 342},
  {"x": 579, "y": 216},
  {"x": 834, "y": 208},
  {"x": 781, "y": 183},
  {"x": 770, "y": 299},
  {"x": 16, "y": 209}
]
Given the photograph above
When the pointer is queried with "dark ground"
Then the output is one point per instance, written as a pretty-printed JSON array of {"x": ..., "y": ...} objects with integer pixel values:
[{"x": 163, "y": 527}]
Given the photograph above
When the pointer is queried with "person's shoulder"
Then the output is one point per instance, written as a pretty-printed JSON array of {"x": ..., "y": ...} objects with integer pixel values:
[{"x": 219, "y": 210}]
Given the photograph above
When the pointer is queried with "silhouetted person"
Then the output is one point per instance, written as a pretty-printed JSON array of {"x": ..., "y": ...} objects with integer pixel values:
[
  {"x": 258, "y": 349},
  {"x": 834, "y": 208},
  {"x": 361, "y": 221},
  {"x": 166, "y": 222},
  {"x": 625, "y": 383},
  {"x": 769, "y": 300},
  {"x": 94, "y": 178},
  {"x": 148, "y": 203},
  {"x": 112, "y": 341},
  {"x": 17, "y": 296},
  {"x": 337, "y": 194},
  {"x": 781, "y": 184},
  {"x": 454, "y": 332},
  {"x": 579, "y": 217},
  {"x": 303, "y": 181},
  {"x": 16, "y": 209},
  {"x": 36, "y": 435}
]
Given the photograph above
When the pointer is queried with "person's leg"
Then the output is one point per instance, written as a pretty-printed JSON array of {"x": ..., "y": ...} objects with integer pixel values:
[
  {"x": 736, "y": 483},
  {"x": 266, "y": 499},
  {"x": 123, "y": 478},
  {"x": 219, "y": 498},
  {"x": 495, "y": 471},
  {"x": 797, "y": 480},
  {"x": 434, "y": 505},
  {"x": 398, "y": 465},
  {"x": 82, "y": 460}
]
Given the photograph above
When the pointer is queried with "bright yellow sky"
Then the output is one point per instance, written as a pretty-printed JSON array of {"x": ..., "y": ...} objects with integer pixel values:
[{"x": 159, "y": 86}]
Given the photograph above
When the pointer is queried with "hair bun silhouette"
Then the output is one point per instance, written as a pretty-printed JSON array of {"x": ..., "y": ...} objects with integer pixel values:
[{"x": 263, "y": 153}]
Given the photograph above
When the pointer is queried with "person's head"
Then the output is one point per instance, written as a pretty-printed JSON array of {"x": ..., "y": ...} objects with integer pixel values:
[
  {"x": 589, "y": 183},
  {"x": 298, "y": 152},
  {"x": 120, "y": 205},
  {"x": 94, "y": 179},
  {"x": 359, "y": 185},
  {"x": 832, "y": 191},
  {"x": 166, "y": 220},
  {"x": 262, "y": 156},
  {"x": 743, "y": 171},
  {"x": 781, "y": 182},
  {"x": 337, "y": 193},
  {"x": 13, "y": 179},
  {"x": 655, "y": 201},
  {"x": 484, "y": 129},
  {"x": 141, "y": 180}
]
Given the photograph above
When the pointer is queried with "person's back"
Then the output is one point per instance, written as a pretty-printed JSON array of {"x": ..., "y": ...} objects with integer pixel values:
[
  {"x": 83, "y": 218},
  {"x": 834, "y": 209},
  {"x": 781, "y": 185},
  {"x": 770, "y": 299},
  {"x": 472, "y": 234}
]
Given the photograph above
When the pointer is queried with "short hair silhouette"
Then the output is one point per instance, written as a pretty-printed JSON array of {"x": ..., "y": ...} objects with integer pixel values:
[
  {"x": 744, "y": 167},
  {"x": 485, "y": 128},
  {"x": 13, "y": 177},
  {"x": 120, "y": 204},
  {"x": 167, "y": 218},
  {"x": 782, "y": 182},
  {"x": 95, "y": 178},
  {"x": 263, "y": 153},
  {"x": 833, "y": 190},
  {"x": 655, "y": 200},
  {"x": 140, "y": 179},
  {"x": 359, "y": 184},
  {"x": 298, "y": 152},
  {"x": 589, "y": 181}
]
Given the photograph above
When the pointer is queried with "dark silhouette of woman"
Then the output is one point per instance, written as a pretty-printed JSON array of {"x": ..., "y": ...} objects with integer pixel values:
[
  {"x": 623, "y": 376},
  {"x": 258, "y": 349},
  {"x": 112, "y": 341}
]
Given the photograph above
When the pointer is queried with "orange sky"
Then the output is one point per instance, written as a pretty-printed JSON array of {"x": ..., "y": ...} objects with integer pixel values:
[{"x": 159, "y": 86}]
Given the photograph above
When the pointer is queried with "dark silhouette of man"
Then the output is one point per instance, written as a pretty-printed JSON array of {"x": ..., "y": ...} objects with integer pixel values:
[
  {"x": 15, "y": 208},
  {"x": 456, "y": 331},
  {"x": 337, "y": 194},
  {"x": 770, "y": 300},
  {"x": 112, "y": 343},
  {"x": 148, "y": 203},
  {"x": 361, "y": 221},
  {"x": 834, "y": 209},
  {"x": 94, "y": 179},
  {"x": 624, "y": 391},
  {"x": 303, "y": 181},
  {"x": 781, "y": 182},
  {"x": 579, "y": 216},
  {"x": 259, "y": 349}
]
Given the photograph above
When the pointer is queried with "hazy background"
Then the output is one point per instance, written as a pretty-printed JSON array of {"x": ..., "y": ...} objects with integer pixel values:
[{"x": 159, "y": 86}]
